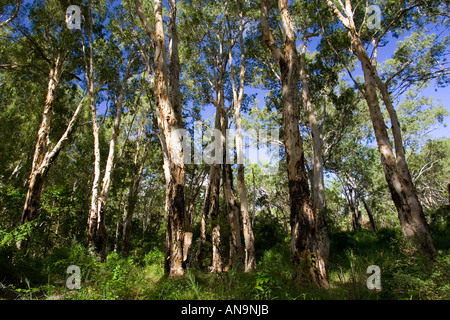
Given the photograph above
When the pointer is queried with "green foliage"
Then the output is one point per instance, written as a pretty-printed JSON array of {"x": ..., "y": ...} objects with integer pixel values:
[
  {"x": 268, "y": 232},
  {"x": 57, "y": 236}
]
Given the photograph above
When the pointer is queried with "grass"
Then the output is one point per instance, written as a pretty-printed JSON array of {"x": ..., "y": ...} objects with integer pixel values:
[{"x": 403, "y": 276}]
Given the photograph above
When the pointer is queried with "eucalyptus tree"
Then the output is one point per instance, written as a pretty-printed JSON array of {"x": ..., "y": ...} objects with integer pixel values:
[
  {"x": 363, "y": 28},
  {"x": 118, "y": 64}
]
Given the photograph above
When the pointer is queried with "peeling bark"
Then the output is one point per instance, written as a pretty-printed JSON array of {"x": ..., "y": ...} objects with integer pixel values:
[
  {"x": 306, "y": 236},
  {"x": 238, "y": 95},
  {"x": 403, "y": 193},
  {"x": 168, "y": 97}
]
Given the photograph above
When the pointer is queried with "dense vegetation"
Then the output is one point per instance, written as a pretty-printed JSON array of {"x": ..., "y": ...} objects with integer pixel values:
[{"x": 90, "y": 170}]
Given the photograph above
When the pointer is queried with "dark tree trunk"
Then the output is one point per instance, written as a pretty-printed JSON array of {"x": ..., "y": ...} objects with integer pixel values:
[{"x": 307, "y": 238}]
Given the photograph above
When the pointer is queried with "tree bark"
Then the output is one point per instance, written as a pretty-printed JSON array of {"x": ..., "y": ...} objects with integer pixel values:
[
  {"x": 169, "y": 120},
  {"x": 102, "y": 237},
  {"x": 403, "y": 193},
  {"x": 232, "y": 207},
  {"x": 89, "y": 75},
  {"x": 42, "y": 167},
  {"x": 211, "y": 209},
  {"x": 136, "y": 176},
  {"x": 306, "y": 226},
  {"x": 369, "y": 213},
  {"x": 238, "y": 95},
  {"x": 36, "y": 179},
  {"x": 317, "y": 185}
]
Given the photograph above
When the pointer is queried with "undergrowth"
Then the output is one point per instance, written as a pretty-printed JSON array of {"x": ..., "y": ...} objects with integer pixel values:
[{"x": 403, "y": 276}]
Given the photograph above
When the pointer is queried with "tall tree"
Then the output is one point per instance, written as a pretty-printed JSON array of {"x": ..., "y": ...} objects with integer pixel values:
[
  {"x": 398, "y": 177},
  {"x": 45, "y": 154},
  {"x": 211, "y": 40},
  {"x": 238, "y": 96},
  {"x": 307, "y": 244},
  {"x": 168, "y": 97}
]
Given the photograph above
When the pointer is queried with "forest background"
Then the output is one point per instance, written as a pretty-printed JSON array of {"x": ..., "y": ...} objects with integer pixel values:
[{"x": 93, "y": 170}]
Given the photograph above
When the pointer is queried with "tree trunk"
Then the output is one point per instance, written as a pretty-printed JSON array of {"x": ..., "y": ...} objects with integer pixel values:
[
  {"x": 355, "y": 211},
  {"x": 203, "y": 221},
  {"x": 317, "y": 185},
  {"x": 403, "y": 193},
  {"x": 232, "y": 207},
  {"x": 216, "y": 262},
  {"x": 410, "y": 211},
  {"x": 89, "y": 74},
  {"x": 102, "y": 237},
  {"x": 231, "y": 202},
  {"x": 139, "y": 163},
  {"x": 369, "y": 213},
  {"x": 306, "y": 225},
  {"x": 168, "y": 97},
  {"x": 37, "y": 175},
  {"x": 238, "y": 95}
]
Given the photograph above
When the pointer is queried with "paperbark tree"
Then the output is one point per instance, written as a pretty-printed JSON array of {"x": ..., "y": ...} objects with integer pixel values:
[
  {"x": 210, "y": 39},
  {"x": 238, "y": 96},
  {"x": 44, "y": 156},
  {"x": 307, "y": 245},
  {"x": 317, "y": 185},
  {"x": 232, "y": 206},
  {"x": 169, "y": 119},
  {"x": 90, "y": 83},
  {"x": 101, "y": 236},
  {"x": 136, "y": 176},
  {"x": 403, "y": 193}
]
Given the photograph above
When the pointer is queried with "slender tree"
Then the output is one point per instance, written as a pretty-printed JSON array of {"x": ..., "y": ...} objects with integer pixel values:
[
  {"x": 238, "y": 96},
  {"x": 403, "y": 193}
]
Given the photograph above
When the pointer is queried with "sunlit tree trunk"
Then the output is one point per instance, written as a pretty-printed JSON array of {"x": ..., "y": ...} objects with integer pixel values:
[
  {"x": 36, "y": 180},
  {"x": 403, "y": 193},
  {"x": 168, "y": 97},
  {"x": 89, "y": 74}
]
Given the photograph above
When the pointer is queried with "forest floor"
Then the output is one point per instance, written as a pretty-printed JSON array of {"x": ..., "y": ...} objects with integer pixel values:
[{"x": 142, "y": 277}]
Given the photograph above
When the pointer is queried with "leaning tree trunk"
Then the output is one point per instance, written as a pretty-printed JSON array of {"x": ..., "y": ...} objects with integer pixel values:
[
  {"x": 369, "y": 213},
  {"x": 43, "y": 157},
  {"x": 306, "y": 236},
  {"x": 36, "y": 179},
  {"x": 409, "y": 209}
]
